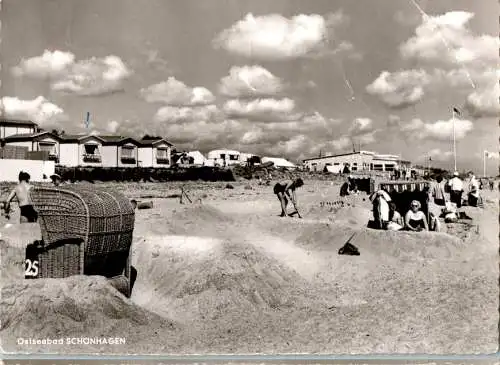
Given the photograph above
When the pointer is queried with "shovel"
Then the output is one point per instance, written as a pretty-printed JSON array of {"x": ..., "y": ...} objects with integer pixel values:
[{"x": 296, "y": 212}]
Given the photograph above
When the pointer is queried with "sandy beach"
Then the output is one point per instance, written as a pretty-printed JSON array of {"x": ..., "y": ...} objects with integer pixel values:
[{"x": 225, "y": 274}]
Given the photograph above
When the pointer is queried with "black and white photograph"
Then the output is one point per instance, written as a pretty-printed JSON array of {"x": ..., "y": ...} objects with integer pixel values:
[{"x": 258, "y": 177}]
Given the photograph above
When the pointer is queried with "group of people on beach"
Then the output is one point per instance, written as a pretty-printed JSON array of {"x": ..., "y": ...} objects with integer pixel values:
[
  {"x": 386, "y": 215},
  {"x": 442, "y": 194},
  {"x": 445, "y": 196}
]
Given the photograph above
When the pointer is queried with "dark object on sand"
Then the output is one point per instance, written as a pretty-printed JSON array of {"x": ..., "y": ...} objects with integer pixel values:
[
  {"x": 144, "y": 205},
  {"x": 462, "y": 215},
  {"x": 229, "y": 186},
  {"x": 349, "y": 249},
  {"x": 295, "y": 213},
  {"x": 134, "y": 203}
]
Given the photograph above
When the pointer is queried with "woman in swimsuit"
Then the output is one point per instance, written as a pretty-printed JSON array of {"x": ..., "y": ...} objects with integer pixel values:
[
  {"x": 287, "y": 189},
  {"x": 415, "y": 219}
]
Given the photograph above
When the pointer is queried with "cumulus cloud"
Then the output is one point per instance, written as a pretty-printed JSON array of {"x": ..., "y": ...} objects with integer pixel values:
[
  {"x": 447, "y": 39},
  {"x": 263, "y": 109},
  {"x": 38, "y": 110},
  {"x": 451, "y": 55},
  {"x": 275, "y": 37},
  {"x": 112, "y": 126},
  {"x": 361, "y": 126},
  {"x": 441, "y": 130},
  {"x": 49, "y": 64},
  {"x": 250, "y": 81},
  {"x": 399, "y": 89},
  {"x": 90, "y": 77},
  {"x": 175, "y": 93},
  {"x": 484, "y": 102},
  {"x": 173, "y": 114},
  {"x": 185, "y": 110}
]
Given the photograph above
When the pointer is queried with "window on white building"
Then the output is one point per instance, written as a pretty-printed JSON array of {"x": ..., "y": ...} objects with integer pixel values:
[
  {"x": 48, "y": 147},
  {"x": 389, "y": 167},
  {"x": 91, "y": 149},
  {"x": 161, "y": 153},
  {"x": 378, "y": 167},
  {"x": 128, "y": 151},
  {"x": 233, "y": 157},
  {"x": 355, "y": 166}
]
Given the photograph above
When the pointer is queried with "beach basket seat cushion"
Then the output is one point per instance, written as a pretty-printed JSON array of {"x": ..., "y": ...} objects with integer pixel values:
[{"x": 85, "y": 230}]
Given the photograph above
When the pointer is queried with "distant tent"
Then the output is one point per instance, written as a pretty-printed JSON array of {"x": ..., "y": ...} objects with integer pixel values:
[{"x": 279, "y": 162}]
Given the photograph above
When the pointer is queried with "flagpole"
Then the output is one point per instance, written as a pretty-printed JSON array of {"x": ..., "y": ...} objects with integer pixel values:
[
  {"x": 484, "y": 164},
  {"x": 454, "y": 141}
]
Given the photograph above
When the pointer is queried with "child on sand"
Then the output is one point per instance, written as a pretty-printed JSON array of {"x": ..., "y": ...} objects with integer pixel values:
[
  {"x": 284, "y": 190},
  {"x": 21, "y": 191},
  {"x": 395, "y": 219}
]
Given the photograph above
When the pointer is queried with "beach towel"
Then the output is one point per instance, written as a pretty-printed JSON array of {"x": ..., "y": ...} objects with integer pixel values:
[
  {"x": 383, "y": 208},
  {"x": 392, "y": 226}
]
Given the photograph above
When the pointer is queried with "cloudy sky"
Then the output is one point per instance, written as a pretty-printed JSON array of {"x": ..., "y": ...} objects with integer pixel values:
[{"x": 283, "y": 77}]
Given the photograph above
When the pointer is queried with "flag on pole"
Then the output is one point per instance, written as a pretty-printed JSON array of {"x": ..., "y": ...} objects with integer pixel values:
[
  {"x": 457, "y": 112},
  {"x": 489, "y": 155}
]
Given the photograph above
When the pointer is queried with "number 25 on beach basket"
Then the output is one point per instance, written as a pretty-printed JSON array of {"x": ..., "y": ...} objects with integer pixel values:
[{"x": 85, "y": 231}]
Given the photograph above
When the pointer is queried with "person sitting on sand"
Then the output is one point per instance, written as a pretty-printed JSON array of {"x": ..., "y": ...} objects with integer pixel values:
[
  {"x": 380, "y": 201},
  {"x": 21, "y": 191},
  {"x": 395, "y": 219},
  {"x": 415, "y": 219},
  {"x": 492, "y": 185},
  {"x": 348, "y": 188},
  {"x": 284, "y": 190}
]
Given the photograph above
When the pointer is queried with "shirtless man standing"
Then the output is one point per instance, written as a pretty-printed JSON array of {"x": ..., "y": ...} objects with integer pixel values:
[
  {"x": 21, "y": 191},
  {"x": 285, "y": 190}
]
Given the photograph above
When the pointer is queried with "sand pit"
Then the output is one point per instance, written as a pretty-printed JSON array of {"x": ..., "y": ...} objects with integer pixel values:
[{"x": 181, "y": 284}]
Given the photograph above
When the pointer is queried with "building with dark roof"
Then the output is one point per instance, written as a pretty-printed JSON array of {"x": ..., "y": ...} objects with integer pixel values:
[
  {"x": 73, "y": 150},
  {"x": 9, "y": 127}
]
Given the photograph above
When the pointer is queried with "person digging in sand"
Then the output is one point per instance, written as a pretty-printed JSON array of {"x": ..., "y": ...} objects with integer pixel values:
[{"x": 284, "y": 190}]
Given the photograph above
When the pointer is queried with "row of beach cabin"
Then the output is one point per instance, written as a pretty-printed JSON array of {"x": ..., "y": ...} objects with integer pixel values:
[{"x": 90, "y": 150}]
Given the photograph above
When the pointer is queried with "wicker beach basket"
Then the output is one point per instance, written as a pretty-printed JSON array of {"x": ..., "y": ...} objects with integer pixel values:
[
  {"x": 404, "y": 192},
  {"x": 85, "y": 231}
]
